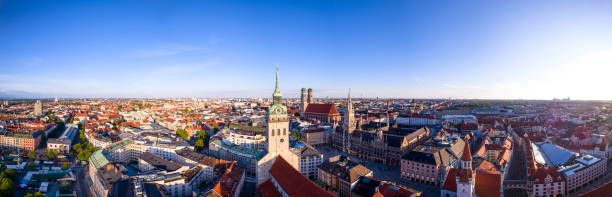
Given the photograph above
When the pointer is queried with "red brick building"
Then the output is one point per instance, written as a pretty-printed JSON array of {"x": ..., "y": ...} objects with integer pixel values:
[{"x": 322, "y": 112}]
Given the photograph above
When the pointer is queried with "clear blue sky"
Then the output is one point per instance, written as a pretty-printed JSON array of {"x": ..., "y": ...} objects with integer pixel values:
[{"x": 412, "y": 49}]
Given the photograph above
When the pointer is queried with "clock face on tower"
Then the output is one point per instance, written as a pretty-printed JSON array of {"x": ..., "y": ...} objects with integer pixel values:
[{"x": 278, "y": 110}]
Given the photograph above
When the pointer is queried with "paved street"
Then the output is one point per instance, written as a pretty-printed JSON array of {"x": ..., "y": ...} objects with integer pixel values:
[
  {"x": 82, "y": 181},
  {"x": 392, "y": 174},
  {"x": 517, "y": 169}
]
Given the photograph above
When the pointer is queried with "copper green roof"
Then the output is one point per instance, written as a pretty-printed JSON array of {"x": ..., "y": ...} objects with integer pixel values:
[
  {"x": 247, "y": 128},
  {"x": 99, "y": 159},
  {"x": 277, "y": 96},
  {"x": 256, "y": 153}
]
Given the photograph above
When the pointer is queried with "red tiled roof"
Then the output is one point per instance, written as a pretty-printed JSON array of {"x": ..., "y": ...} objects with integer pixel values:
[
  {"x": 603, "y": 190},
  {"x": 228, "y": 183},
  {"x": 466, "y": 156},
  {"x": 482, "y": 150},
  {"x": 322, "y": 109},
  {"x": 293, "y": 182},
  {"x": 504, "y": 157},
  {"x": 541, "y": 174},
  {"x": 450, "y": 183},
  {"x": 468, "y": 126},
  {"x": 488, "y": 185},
  {"x": 387, "y": 189},
  {"x": 487, "y": 167},
  {"x": 267, "y": 189},
  {"x": 490, "y": 121}
]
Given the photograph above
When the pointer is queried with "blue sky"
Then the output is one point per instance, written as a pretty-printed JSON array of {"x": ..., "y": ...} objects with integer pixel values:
[{"x": 410, "y": 49}]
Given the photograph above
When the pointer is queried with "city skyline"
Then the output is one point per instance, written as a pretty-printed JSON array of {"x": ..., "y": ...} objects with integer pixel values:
[{"x": 507, "y": 50}]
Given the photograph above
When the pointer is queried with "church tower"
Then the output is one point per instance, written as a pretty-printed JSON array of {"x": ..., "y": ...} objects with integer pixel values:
[
  {"x": 278, "y": 123},
  {"x": 303, "y": 103},
  {"x": 349, "y": 123},
  {"x": 310, "y": 98},
  {"x": 278, "y": 137},
  {"x": 465, "y": 175}
]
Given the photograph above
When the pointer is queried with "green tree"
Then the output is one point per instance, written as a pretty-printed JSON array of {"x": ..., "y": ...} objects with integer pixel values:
[
  {"x": 32, "y": 154},
  {"x": 7, "y": 187},
  {"x": 10, "y": 174},
  {"x": 296, "y": 135},
  {"x": 66, "y": 166},
  {"x": 201, "y": 133},
  {"x": 65, "y": 184},
  {"x": 199, "y": 145},
  {"x": 119, "y": 107},
  {"x": 204, "y": 137},
  {"x": 457, "y": 125},
  {"x": 182, "y": 133},
  {"x": 31, "y": 166},
  {"x": 51, "y": 154},
  {"x": 37, "y": 194}
]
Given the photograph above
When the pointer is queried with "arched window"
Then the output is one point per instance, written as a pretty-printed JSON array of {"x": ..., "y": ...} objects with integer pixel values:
[
  {"x": 272, "y": 132},
  {"x": 284, "y": 131},
  {"x": 278, "y": 132}
]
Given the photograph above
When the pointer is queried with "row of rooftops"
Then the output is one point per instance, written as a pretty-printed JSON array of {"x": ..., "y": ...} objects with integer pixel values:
[
  {"x": 20, "y": 134},
  {"x": 367, "y": 186},
  {"x": 229, "y": 182},
  {"x": 438, "y": 153},
  {"x": 188, "y": 153},
  {"x": 343, "y": 168}
]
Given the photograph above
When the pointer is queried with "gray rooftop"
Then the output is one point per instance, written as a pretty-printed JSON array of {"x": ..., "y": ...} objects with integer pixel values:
[{"x": 159, "y": 162}]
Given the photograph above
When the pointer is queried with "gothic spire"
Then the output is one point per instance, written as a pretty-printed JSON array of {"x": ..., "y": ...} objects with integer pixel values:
[
  {"x": 276, "y": 88},
  {"x": 349, "y": 105},
  {"x": 466, "y": 156},
  {"x": 277, "y": 96}
]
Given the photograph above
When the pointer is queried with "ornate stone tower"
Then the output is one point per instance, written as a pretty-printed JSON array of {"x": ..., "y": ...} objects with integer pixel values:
[
  {"x": 349, "y": 123},
  {"x": 278, "y": 123},
  {"x": 465, "y": 175},
  {"x": 303, "y": 103},
  {"x": 310, "y": 98}
]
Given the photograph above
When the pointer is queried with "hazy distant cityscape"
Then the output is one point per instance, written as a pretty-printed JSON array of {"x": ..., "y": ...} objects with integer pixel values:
[{"x": 305, "y": 147}]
